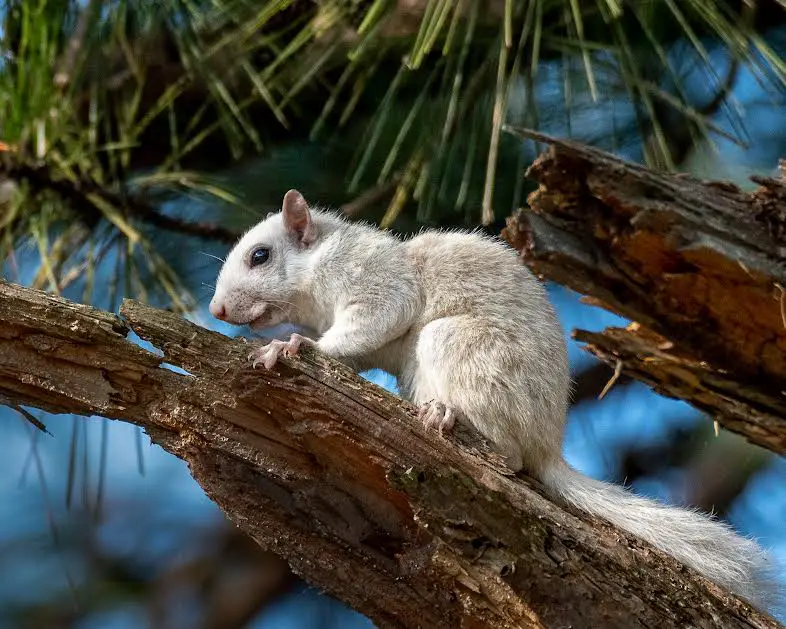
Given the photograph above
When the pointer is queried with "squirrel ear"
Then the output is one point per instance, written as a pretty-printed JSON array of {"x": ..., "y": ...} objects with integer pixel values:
[{"x": 297, "y": 217}]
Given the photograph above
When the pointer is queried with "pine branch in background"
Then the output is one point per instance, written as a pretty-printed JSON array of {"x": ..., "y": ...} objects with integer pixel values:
[
  {"x": 87, "y": 198},
  {"x": 109, "y": 92}
]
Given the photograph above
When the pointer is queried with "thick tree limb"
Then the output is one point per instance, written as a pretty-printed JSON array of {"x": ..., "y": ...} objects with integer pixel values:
[
  {"x": 700, "y": 266},
  {"x": 337, "y": 476}
]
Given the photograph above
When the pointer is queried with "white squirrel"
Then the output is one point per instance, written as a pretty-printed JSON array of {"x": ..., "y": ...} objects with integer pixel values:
[{"x": 471, "y": 336}]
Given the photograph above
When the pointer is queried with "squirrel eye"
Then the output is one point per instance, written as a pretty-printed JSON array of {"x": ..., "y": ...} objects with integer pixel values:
[{"x": 259, "y": 256}]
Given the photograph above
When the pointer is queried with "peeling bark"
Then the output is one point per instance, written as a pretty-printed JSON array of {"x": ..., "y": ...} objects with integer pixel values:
[
  {"x": 699, "y": 266},
  {"x": 337, "y": 476}
]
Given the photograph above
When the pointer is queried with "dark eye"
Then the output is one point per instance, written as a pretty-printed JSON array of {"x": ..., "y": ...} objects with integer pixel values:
[{"x": 259, "y": 256}]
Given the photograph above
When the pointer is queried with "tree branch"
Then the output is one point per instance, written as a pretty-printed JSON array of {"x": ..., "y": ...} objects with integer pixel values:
[
  {"x": 40, "y": 177},
  {"x": 697, "y": 265},
  {"x": 338, "y": 477}
]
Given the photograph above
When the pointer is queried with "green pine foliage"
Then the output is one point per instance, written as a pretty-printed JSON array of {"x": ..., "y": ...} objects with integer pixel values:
[{"x": 108, "y": 110}]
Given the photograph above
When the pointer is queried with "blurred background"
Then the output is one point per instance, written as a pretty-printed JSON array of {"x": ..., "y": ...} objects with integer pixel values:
[{"x": 137, "y": 138}]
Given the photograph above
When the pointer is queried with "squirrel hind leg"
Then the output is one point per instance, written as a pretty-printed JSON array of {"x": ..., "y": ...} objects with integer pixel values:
[{"x": 447, "y": 385}]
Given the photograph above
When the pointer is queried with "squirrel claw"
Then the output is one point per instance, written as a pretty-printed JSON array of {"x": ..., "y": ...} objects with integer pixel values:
[
  {"x": 269, "y": 354},
  {"x": 437, "y": 415}
]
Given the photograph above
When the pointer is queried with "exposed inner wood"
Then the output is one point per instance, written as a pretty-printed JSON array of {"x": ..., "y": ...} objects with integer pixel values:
[{"x": 700, "y": 266}]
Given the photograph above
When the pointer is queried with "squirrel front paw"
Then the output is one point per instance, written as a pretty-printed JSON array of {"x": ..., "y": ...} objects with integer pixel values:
[
  {"x": 269, "y": 354},
  {"x": 437, "y": 415}
]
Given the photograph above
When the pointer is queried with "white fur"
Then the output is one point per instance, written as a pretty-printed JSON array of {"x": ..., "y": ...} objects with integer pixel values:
[{"x": 457, "y": 318}]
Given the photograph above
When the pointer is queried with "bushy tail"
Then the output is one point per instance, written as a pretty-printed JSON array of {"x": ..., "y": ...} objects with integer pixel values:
[{"x": 707, "y": 545}]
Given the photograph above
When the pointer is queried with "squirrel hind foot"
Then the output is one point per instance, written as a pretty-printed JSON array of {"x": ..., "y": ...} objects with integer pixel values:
[{"x": 437, "y": 415}]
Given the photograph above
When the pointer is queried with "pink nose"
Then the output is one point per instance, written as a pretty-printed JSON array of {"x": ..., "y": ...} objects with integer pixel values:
[{"x": 218, "y": 310}]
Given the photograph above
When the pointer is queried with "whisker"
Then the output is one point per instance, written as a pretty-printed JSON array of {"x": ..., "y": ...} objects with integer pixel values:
[
  {"x": 288, "y": 303},
  {"x": 210, "y": 255},
  {"x": 275, "y": 305},
  {"x": 279, "y": 301}
]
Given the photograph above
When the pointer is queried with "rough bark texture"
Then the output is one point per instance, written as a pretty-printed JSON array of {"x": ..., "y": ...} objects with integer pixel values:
[
  {"x": 699, "y": 266},
  {"x": 338, "y": 477}
]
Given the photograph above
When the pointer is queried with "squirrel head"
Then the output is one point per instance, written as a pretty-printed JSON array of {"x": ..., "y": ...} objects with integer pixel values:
[{"x": 269, "y": 265}]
